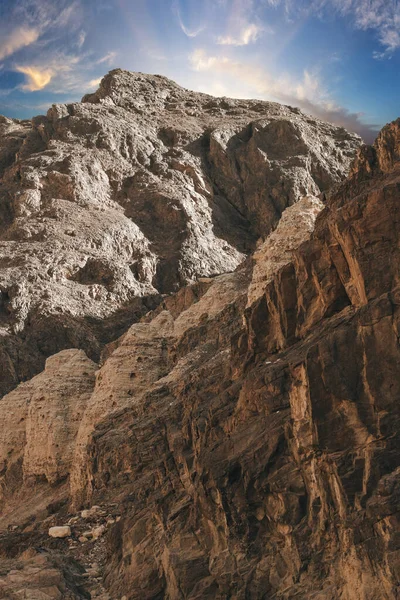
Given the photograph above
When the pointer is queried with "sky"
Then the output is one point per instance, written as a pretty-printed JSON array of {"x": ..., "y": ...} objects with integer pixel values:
[{"x": 336, "y": 59}]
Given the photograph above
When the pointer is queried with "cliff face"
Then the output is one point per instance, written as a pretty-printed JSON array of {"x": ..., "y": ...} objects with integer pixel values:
[
  {"x": 132, "y": 193},
  {"x": 240, "y": 440},
  {"x": 264, "y": 461}
]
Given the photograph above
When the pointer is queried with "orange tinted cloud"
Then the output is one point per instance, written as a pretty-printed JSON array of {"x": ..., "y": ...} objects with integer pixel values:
[
  {"x": 17, "y": 39},
  {"x": 37, "y": 79}
]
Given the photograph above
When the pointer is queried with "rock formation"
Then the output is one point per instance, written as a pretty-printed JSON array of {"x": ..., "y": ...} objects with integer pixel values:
[
  {"x": 137, "y": 190},
  {"x": 240, "y": 437}
]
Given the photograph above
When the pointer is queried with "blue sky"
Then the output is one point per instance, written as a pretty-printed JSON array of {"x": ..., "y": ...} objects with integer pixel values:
[{"x": 337, "y": 59}]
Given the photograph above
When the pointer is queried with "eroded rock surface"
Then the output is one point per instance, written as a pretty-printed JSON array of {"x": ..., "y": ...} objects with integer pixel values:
[
  {"x": 137, "y": 190},
  {"x": 241, "y": 440},
  {"x": 263, "y": 461},
  {"x": 40, "y": 420}
]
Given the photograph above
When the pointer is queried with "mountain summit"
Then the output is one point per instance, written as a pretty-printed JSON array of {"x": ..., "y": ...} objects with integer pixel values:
[{"x": 139, "y": 189}]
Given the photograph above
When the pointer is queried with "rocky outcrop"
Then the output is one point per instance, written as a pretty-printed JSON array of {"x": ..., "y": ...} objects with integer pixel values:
[
  {"x": 40, "y": 419},
  {"x": 38, "y": 577},
  {"x": 139, "y": 189},
  {"x": 240, "y": 439},
  {"x": 262, "y": 461},
  {"x": 294, "y": 228}
]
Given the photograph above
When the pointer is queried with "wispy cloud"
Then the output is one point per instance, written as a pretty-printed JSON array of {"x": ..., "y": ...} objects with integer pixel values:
[
  {"x": 248, "y": 34},
  {"x": 49, "y": 15},
  {"x": 37, "y": 79},
  {"x": 81, "y": 39},
  {"x": 381, "y": 16},
  {"x": 307, "y": 92},
  {"x": 190, "y": 32},
  {"x": 109, "y": 58},
  {"x": 17, "y": 39}
]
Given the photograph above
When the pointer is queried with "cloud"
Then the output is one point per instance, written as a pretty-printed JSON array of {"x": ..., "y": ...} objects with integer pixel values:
[
  {"x": 308, "y": 92},
  {"x": 37, "y": 79},
  {"x": 189, "y": 32},
  {"x": 381, "y": 16},
  {"x": 94, "y": 83},
  {"x": 108, "y": 58},
  {"x": 17, "y": 39},
  {"x": 47, "y": 15},
  {"x": 61, "y": 73},
  {"x": 248, "y": 34},
  {"x": 81, "y": 39}
]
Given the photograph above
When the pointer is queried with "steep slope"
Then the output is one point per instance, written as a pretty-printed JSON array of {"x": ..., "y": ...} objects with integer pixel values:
[
  {"x": 264, "y": 463},
  {"x": 137, "y": 190},
  {"x": 246, "y": 432}
]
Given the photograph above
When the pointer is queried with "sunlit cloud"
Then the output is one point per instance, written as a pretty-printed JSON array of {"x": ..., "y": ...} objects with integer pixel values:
[
  {"x": 37, "y": 79},
  {"x": 62, "y": 73},
  {"x": 247, "y": 35},
  {"x": 17, "y": 39},
  {"x": 307, "y": 92},
  {"x": 94, "y": 83}
]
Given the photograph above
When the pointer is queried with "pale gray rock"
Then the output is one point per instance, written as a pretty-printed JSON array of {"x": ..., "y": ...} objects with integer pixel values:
[{"x": 139, "y": 189}]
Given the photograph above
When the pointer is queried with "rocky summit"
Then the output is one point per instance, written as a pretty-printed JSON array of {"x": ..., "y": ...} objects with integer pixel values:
[{"x": 200, "y": 351}]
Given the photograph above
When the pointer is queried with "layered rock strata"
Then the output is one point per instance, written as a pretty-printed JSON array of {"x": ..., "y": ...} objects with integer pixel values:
[{"x": 265, "y": 462}]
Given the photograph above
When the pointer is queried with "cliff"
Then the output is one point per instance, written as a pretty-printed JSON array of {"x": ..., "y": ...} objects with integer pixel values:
[{"x": 240, "y": 439}]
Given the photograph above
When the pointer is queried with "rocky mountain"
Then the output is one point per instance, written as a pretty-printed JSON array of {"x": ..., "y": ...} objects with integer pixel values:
[
  {"x": 137, "y": 190},
  {"x": 218, "y": 413}
]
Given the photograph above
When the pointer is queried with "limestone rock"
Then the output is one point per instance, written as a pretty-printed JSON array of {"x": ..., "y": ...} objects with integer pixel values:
[
  {"x": 60, "y": 532},
  {"x": 90, "y": 512},
  {"x": 40, "y": 420},
  {"x": 294, "y": 228},
  {"x": 139, "y": 189}
]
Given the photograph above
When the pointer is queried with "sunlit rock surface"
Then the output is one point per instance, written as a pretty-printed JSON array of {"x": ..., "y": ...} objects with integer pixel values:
[
  {"x": 137, "y": 190},
  {"x": 241, "y": 439}
]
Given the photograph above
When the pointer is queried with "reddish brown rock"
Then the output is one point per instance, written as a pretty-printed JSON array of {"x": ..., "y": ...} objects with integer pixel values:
[{"x": 267, "y": 466}]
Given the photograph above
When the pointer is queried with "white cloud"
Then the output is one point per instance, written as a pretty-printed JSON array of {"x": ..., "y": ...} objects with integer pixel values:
[
  {"x": 382, "y": 16},
  {"x": 17, "y": 39},
  {"x": 188, "y": 31},
  {"x": 48, "y": 15},
  {"x": 81, "y": 39},
  {"x": 94, "y": 83},
  {"x": 308, "y": 92},
  {"x": 37, "y": 79},
  {"x": 248, "y": 34},
  {"x": 108, "y": 58}
]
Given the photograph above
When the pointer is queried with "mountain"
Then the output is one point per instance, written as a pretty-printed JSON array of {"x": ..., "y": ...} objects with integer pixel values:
[
  {"x": 218, "y": 414},
  {"x": 137, "y": 190}
]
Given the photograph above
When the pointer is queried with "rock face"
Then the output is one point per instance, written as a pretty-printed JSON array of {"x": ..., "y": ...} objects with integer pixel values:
[
  {"x": 264, "y": 460},
  {"x": 241, "y": 439},
  {"x": 40, "y": 419},
  {"x": 137, "y": 190}
]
